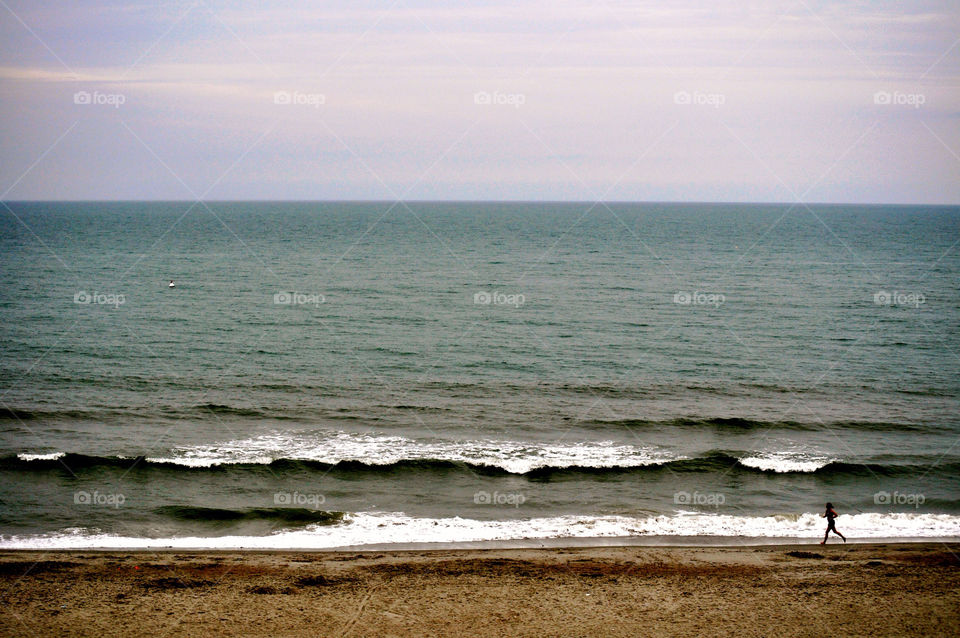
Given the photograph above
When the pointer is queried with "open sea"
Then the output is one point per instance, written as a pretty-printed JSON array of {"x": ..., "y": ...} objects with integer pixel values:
[{"x": 330, "y": 374}]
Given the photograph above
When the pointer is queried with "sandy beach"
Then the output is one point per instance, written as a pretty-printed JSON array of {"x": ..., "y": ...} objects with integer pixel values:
[{"x": 808, "y": 590}]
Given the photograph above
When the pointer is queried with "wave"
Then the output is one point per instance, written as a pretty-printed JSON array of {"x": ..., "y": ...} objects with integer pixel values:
[
  {"x": 716, "y": 461},
  {"x": 93, "y": 414},
  {"x": 416, "y": 408},
  {"x": 357, "y": 450},
  {"x": 928, "y": 392},
  {"x": 22, "y": 414},
  {"x": 67, "y": 461},
  {"x": 52, "y": 456},
  {"x": 742, "y": 424},
  {"x": 288, "y": 515},
  {"x": 785, "y": 463},
  {"x": 217, "y": 410},
  {"x": 379, "y": 528}
]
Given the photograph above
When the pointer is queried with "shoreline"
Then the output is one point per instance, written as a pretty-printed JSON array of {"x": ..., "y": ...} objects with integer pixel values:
[
  {"x": 887, "y": 589},
  {"x": 586, "y": 542},
  {"x": 279, "y": 528}
]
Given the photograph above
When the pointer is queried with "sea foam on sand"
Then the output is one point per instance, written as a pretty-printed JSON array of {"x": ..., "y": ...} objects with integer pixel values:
[{"x": 388, "y": 528}]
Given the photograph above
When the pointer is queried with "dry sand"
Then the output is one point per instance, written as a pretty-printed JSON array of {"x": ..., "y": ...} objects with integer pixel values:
[{"x": 839, "y": 590}]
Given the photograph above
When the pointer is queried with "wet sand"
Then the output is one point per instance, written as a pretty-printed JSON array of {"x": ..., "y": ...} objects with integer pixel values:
[{"x": 804, "y": 590}]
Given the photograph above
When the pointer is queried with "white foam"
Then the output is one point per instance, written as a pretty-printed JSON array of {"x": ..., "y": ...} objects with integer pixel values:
[
  {"x": 52, "y": 456},
  {"x": 334, "y": 447},
  {"x": 786, "y": 462},
  {"x": 198, "y": 459},
  {"x": 385, "y": 528}
]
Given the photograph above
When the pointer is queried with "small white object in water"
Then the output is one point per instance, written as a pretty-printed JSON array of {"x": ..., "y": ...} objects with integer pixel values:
[{"x": 171, "y": 284}]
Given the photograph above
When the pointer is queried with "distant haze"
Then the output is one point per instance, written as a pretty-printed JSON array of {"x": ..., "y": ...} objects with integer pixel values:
[{"x": 788, "y": 101}]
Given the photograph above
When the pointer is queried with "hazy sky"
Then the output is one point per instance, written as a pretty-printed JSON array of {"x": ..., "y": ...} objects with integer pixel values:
[{"x": 689, "y": 101}]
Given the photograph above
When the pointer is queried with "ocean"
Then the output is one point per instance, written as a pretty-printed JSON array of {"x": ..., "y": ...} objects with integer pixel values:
[{"x": 333, "y": 374}]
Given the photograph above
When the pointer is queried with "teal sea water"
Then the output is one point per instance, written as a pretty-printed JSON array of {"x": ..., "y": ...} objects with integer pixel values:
[{"x": 332, "y": 373}]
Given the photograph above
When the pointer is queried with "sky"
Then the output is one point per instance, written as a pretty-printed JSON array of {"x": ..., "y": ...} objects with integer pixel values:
[{"x": 792, "y": 101}]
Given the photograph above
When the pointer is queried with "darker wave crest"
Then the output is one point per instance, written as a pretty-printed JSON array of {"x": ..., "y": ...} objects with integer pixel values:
[
  {"x": 742, "y": 424},
  {"x": 69, "y": 462},
  {"x": 867, "y": 470},
  {"x": 217, "y": 408},
  {"x": 218, "y": 411},
  {"x": 216, "y": 515},
  {"x": 208, "y": 409},
  {"x": 22, "y": 414},
  {"x": 716, "y": 461}
]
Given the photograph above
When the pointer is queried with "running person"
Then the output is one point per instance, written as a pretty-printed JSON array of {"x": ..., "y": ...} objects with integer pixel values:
[{"x": 831, "y": 515}]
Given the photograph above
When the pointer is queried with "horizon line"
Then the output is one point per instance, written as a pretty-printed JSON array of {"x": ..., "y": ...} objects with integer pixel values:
[{"x": 474, "y": 201}]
